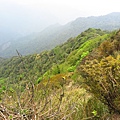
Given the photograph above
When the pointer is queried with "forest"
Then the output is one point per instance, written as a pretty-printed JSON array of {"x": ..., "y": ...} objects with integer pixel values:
[{"x": 77, "y": 80}]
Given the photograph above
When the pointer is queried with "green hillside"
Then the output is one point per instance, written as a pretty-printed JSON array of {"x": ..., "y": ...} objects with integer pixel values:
[
  {"x": 68, "y": 53},
  {"x": 77, "y": 80}
]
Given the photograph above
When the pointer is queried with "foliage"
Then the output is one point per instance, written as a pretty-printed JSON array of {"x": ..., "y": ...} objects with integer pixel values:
[
  {"x": 102, "y": 77},
  {"x": 37, "y": 64},
  {"x": 41, "y": 86},
  {"x": 71, "y": 69},
  {"x": 101, "y": 73}
]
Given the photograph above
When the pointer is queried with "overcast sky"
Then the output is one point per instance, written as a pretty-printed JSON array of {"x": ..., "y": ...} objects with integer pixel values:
[{"x": 55, "y": 11}]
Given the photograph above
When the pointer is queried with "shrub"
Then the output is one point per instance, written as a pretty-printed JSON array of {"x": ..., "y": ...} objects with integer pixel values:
[{"x": 103, "y": 80}]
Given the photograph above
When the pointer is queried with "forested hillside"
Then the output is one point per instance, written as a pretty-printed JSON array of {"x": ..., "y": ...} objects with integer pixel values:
[
  {"x": 77, "y": 80},
  {"x": 69, "y": 53}
]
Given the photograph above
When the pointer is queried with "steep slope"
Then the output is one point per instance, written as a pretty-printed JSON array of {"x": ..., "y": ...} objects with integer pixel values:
[
  {"x": 101, "y": 73},
  {"x": 57, "y": 34},
  {"x": 67, "y": 54}
]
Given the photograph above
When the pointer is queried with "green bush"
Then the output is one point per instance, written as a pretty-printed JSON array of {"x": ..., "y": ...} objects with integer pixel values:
[
  {"x": 103, "y": 80},
  {"x": 71, "y": 69}
]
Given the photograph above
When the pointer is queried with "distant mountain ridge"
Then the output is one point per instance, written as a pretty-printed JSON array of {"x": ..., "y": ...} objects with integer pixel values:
[{"x": 58, "y": 34}]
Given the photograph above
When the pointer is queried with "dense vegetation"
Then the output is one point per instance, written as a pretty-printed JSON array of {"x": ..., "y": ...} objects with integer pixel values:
[
  {"x": 102, "y": 72},
  {"x": 76, "y": 80}
]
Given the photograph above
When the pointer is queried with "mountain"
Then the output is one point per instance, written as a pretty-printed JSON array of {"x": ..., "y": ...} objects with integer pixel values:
[{"x": 57, "y": 34}]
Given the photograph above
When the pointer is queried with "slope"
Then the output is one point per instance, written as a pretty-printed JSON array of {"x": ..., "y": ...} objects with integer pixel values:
[{"x": 72, "y": 51}]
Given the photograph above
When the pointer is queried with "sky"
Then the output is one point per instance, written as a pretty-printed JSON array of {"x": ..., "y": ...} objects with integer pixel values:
[{"x": 38, "y": 14}]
